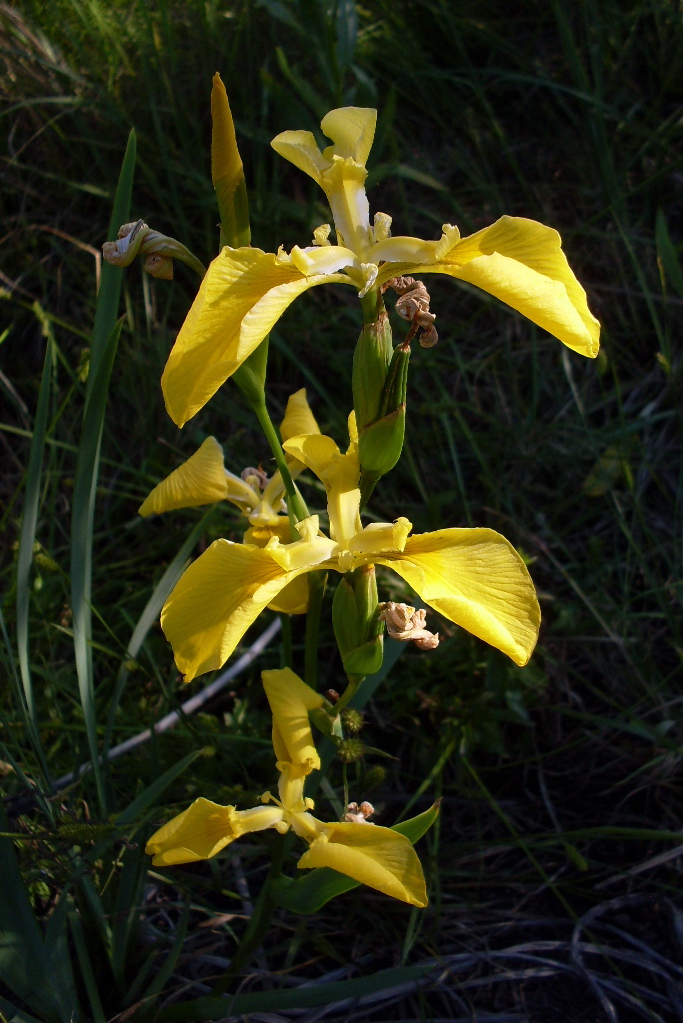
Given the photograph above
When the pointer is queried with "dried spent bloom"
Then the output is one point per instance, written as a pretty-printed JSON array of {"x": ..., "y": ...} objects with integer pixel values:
[
  {"x": 408, "y": 625},
  {"x": 356, "y": 814},
  {"x": 413, "y": 304},
  {"x": 157, "y": 251}
]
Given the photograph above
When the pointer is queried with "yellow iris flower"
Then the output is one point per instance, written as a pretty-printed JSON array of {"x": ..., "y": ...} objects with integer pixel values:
[
  {"x": 203, "y": 479},
  {"x": 373, "y": 855},
  {"x": 246, "y": 290},
  {"x": 474, "y": 577}
]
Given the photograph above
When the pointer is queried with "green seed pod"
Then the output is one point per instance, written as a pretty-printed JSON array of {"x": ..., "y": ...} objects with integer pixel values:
[
  {"x": 371, "y": 361},
  {"x": 358, "y": 631},
  {"x": 375, "y": 776}
]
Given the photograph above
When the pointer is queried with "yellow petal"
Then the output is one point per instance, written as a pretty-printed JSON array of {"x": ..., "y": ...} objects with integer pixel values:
[
  {"x": 301, "y": 149},
  {"x": 205, "y": 828},
  {"x": 216, "y": 600},
  {"x": 260, "y": 534},
  {"x": 475, "y": 578},
  {"x": 520, "y": 262},
  {"x": 317, "y": 451},
  {"x": 298, "y": 417},
  {"x": 293, "y": 600},
  {"x": 244, "y": 292},
  {"x": 199, "y": 480},
  {"x": 375, "y": 856},
  {"x": 290, "y": 700},
  {"x": 352, "y": 129}
]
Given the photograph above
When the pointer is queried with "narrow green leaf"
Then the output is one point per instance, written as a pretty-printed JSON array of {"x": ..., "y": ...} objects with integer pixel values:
[
  {"x": 82, "y": 519},
  {"x": 666, "y": 252},
  {"x": 303, "y": 998},
  {"x": 11, "y": 1014},
  {"x": 307, "y": 894},
  {"x": 86, "y": 967},
  {"x": 131, "y": 880},
  {"x": 149, "y": 617},
  {"x": 108, "y": 296},
  {"x": 151, "y": 794},
  {"x": 22, "y": 950},
  {"x": 29, "y": 520}
]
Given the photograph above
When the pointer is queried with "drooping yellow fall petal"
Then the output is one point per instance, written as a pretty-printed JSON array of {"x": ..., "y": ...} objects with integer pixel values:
[
  {"x": 216, "y": 600},
  {"x": 205, "y": 828},
  {"x": 290, "y": 700},
  {"x": 375, "y": 856},
  {"x": 293, "y": 599},
  {"x": 475, "y": 578},
  {"x": 199, "y": 480},
  {"x": 520, "y": 262},
  {"x": 298, "y": 417},
  {"x": 244, "y": 292}
]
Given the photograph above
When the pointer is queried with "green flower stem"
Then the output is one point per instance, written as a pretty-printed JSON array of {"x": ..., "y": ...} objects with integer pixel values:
[
  {"x": 350, "y": 691},
  {"x": 316, "y": 590},
  {"x": 295, "y": 502},
  {"x": 259, "y": 921},
  {"x": 371, "y": 304}
]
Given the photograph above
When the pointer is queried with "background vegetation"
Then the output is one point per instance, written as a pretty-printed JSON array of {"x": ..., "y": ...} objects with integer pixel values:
[{"x": 560, "y": 782}]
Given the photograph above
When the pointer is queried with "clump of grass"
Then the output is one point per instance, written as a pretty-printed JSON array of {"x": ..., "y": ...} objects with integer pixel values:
[{"x": 556, "y": 778}]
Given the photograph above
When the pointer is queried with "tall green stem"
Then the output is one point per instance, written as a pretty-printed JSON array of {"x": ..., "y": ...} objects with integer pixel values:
[{"x": 295, "y": 502}]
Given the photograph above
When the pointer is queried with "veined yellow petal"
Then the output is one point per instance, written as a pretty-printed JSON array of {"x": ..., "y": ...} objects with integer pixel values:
[
  {"x": 322, "y": 259},
  {"x": 375, "y": 856},
  {"x": 243, "y": 294},
  {"x": 216, "y": 600},
  {"x": 301, "y": 149},
  {"x": 260, "y": 534},
  {"x": 521, "y": 262},
  {"x": 475, "y": 578},
  {"x": 293, "y": 600},
  {"x": 540, "y": 299},
  {"x": 317, "y": 451},
  {"x": 352, "y": 129},
  {"x": 298, "y": 417},
  {"x": 199, "y": 480},
  {"x": 205, "y": 828},
  {"x": 240, "y": 493},
  {"x": 290, "y": 700}
]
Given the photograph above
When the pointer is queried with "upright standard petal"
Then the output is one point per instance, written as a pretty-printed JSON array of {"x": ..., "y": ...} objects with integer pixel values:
[
  {"x": 375, "y": 856},
  {"x": 216, "y": 600},
  {"x": 290, "y": 700},
  {"x": 301, "y": 149},
  {"x": 475, "y": 578},
  {"x": 205, "y": 828},
  {"x": 244, "y": 292},
  {"x": 352, "y": 129},
  {"x": 298, "y": 417}
]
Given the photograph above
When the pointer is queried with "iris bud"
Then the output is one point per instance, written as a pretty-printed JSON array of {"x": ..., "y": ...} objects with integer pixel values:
[{"x": 356, "y": 626}]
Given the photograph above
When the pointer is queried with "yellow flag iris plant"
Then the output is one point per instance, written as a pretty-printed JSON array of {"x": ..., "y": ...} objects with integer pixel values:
[{"x": 472, "y": 577}]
